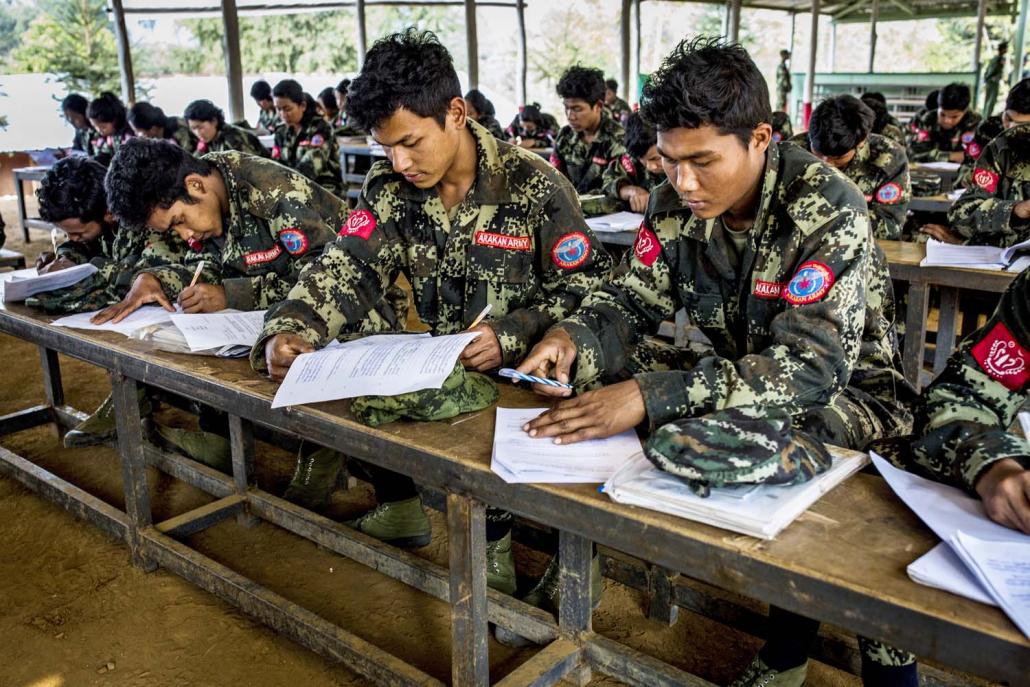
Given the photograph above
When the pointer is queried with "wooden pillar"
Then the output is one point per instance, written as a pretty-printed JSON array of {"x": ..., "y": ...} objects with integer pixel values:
[
  {"x": 726, "y": 18},
  {"x": 359, "y": 10},
  {"x": 874, "y": 17},
  {"x": 520, "y": 12},
  {"x": 735, "y": 21},
  {"x": 833, "y": 46},
  {"x": 813, "y": 47},
  {"x": 472, "y": 43},
  {"x": 981, "y": 15},
  {"x": 793, "y": 28},
  {"x": 233, "y": 65},
  {"x": 121, "y": 37},
  {"x": 1017, "y": 71},
  {"x": 637, "y": 40},
  {"x": 624, "y": 25}
]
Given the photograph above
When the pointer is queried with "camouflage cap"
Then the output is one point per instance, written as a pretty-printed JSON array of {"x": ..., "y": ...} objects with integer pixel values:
[
  {"x": 462, "y": 392},
  {"x": 736, "y": 446},
  {"x": 89, "y": 294}
]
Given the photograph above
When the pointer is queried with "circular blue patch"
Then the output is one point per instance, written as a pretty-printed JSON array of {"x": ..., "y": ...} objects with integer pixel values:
[
  {"x": 811, "y": 282},
  {"x": 967, "y": 137},
  {"x": 294, "y": 241},
  {"x": 571, "y": 250},
  {"x": 888, "y": 193}
]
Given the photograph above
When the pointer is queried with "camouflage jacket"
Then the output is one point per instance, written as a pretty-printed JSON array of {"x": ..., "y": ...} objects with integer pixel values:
[
  {"x": 103, "y": 148},
  {"x": 809, "y": 312},
  {"x": 490, "y": 123},
  {"x": 517, "y": 241},
  {"x": 994, "y": 69},
  {"x": 880, "y": 170},
  {"x": 986, "y": 131},
  {"x": 928, "y": 142},
  {"x": 1000, "y": 180},
  {"x": 231, "y": 137},
  {"x": 628, "y": 171},
  {"x": 584, "y": 164},
  {"x": 83, "y": 140},
  {"x": 277, "y": 222},
  {"x": 783, "y": 80},
  {"x": 781, "y": 126},
  {"x": 894, "y": 133},
  {"x": 269, "y": 121},
  {"x": 961, "y": 420},
  {"x": 619, "y": 110},
  {"x": 312, "y": 150}
]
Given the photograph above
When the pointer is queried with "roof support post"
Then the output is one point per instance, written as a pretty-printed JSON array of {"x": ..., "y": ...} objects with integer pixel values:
[
  {"x": 813, "y": 47},
  {"x": 637, "y": 40},
  {"x": 833, "y": 46},
  {"x": 1017, "y": 71},
  {"x": 624, "y": 45},
  {"x": 735, "y": 21},
  {"x": 472, "y": 43},
  {"x": 981, "y": 15},
  {"x": 520, "y": 13},
  {"x": 874, "y": 17},
  {"x": 121, "y": 38},
  {"x": 359, "y": 10},
  {"x": 233, "y": 64}
]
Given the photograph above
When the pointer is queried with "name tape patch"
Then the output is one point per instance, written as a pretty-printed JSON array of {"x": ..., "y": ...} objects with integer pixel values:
[
  {"x": 486, "y": 238},
  {"x": 259, "y": 257}
]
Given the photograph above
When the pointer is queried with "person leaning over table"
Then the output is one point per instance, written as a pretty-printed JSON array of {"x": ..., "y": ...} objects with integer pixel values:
[
  {"x": 207, "y": 122},
  {"x": 631, "y": 179},
  {"x": 470, "y": 221},
  {"x": 107, "y": 116},
  {"x": 149, "y": 121},
  {"x": 618, "y": 108},
  {"x": 268, "y": 119},
  {"x": 944, "y": 133},
  {"x": 770, "y": 252},
  {"x": 305, "y": 141},
  {"x": 74, "y": 107}
]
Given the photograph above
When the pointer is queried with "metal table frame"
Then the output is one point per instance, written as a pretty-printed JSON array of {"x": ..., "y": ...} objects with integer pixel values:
[{"x": 572, "y": 650}]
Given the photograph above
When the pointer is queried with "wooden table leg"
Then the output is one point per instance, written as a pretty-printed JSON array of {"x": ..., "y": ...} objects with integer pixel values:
[
  {"x": 241, "y": 445},
  {"x": 466, "y": 531},
  {"x": 134, "y": 465},
  {"x": 947, "y": 326},
  {"x": 574, "y": 610},
  {"x": 915, "y": 330},
  {"x": 53, "y": 387}
]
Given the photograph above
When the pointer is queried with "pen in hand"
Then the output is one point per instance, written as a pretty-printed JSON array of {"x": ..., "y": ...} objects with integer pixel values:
[{"x": 481, "y": 316}]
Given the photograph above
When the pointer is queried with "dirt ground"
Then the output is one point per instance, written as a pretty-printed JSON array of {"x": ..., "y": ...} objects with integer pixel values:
[{"x": 74, "y": 612}]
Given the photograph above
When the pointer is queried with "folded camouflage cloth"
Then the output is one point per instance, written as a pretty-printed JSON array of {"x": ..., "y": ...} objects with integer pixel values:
[
  {"x": 462, "y": 392},
  {"x": 89, "y": 294},
  {"x": 736, "y": 446}
]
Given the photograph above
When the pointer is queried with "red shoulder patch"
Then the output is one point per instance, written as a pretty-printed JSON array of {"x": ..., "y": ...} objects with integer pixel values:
[
  {"x": 277, "y": 152},
  {"x": 922, "y": 135},
  {"x": 646, "y": 247},
  {"x": 986, "y": 179},
  {"x": 974, "y": 150},
  {"x": 627, "y": 164},
  {"x": 1002, "y": 358},
  {"x": 810, "y": 284},
  {"x": 598, "y": 160},
  {"x": 201, "y": 146},
  {"x": 555, "y": 160},
  {"x": 360, "y": 223}
]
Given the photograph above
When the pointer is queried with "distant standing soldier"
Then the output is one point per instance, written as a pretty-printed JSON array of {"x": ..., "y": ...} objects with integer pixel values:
[
  {"x": 783, "y": 84},
  {"x": 992, "y": 78}
]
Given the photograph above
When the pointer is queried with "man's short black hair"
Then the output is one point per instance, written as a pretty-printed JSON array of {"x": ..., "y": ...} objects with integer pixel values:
[
  {"x": 931, "y": 99},
  {"x": 839, "y": 124},
  {"x": 410, "y": 70},
  {"x": 108, "y": 108},
  {"x": 1018, "y": 99},
  {"x": 874, "y": 95},
  {"x": 343, "y": 86},
  {"x": 327, "y": 99},
  {"x": 289, "y": 89},
  {"x": 261, "y": 90},
  {"x": 143, "y": 115},
  {"x": 640, "y": 135},
  {"x": 880, "y": 114},
  {"x": 479, "y": 101},
  {"x": 612, "y": 85},
  {"x": 707, "y": 81},
  {"x": 73, "y": 102},
  {"x": 73, "y": 188},
  {"x": 954, "y": 96},
  {"x": 204, "y": 111},
  {"x": 582, "y": 83},
  {"x": 147, "y": 174}
]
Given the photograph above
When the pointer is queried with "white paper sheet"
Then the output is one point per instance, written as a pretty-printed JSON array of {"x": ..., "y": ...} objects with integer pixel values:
[
  {"x": 940, "y": 166},
  {"x": 939, "y": 253},
  {"x": 1002, "y": 567},
  {"x": 204, "y": 331},
  {"x": 143, "y": 317},
  {"x": 941, "y": 568},
  {"x": 618, "y": 221},
  {"x": 381, "y": 365},
  {"x": 21, "y": 284},
  {"x": 518, "y": 457}
]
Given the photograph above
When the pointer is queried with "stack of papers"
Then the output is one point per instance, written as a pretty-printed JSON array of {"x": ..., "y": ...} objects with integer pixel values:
[
  {"x": 619, "y": 221},
  {"x": 983, "y": 560},
  {"x": 226, "y": 329},
  {"x": 976, "y": 257},
  {"x": 381, "y": 365},
  {"x": 20, "y": 284},
  {"x": 941, "y": 166},
  {"x": 518, "y": 457},
  {"x": 758, "y": 510},
  {"x": 143, "y": 317}
]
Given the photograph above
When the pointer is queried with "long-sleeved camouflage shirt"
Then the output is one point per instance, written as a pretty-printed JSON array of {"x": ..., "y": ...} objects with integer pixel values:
[
  {"x": 232, "y": 137},
  {"x": 928, "y": 142},
  {"x": 269, "y": 120},
  {"x": 782, "y": 127},
  {"x": 517, "y": 241},
  {"x": 103, "y": 148},
  {"x": 181, "y": 134},
  {"x": 490, "y": 123},
  {"x": 619, "y": 110},
  {"x": 277, "y": 222},
  {"x": 1000, "y": 180},
  {"x": 880, "y": 170},
  {"x": 584, "y": 164},
  {"x": 83, "y": 140},
  {"x": 312, "y": 150},
  {"x": 808, "y": 311},
  {"x": 628, "y": 171},
  {"x": 986, "y": 131},
  {"x": 961, "y": 420}
]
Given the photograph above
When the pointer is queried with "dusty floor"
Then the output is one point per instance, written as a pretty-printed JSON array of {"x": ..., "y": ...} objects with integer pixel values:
[{"x": 74, "y": 612}]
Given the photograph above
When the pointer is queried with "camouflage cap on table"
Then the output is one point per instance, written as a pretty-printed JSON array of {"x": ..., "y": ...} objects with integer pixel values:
[{"x": 462, "y": 392}]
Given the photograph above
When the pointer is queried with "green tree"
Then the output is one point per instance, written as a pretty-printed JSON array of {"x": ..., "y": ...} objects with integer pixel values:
[
  {"x": 72, "y": 39},
  {"x": 14, "y": 20}
]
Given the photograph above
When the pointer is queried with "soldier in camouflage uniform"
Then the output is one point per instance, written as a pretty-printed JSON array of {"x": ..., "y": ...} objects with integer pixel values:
[
  {"x": 207, "y": 122},
  {"x": 74, "y": 107},
  {"x": 305, "y": 141},
  {"x": 592, "y": 139},
  {"x": 470, "y": 221},
  {"x": 107, "y": 117},
  {"x": 630, "y": 179},
  {"x": 962, "y": 419},
  {"x": 529, "y": 130},
  {"x": 884, "y": 123},
  {"x": 839, "y": 135},
  {"x": 482, "y": 111},
  {"x": 782, "y": 129},
  {"x": 149, "y": 121},
  {"x": 944, "y": 134},
  {"x": 995, "y": 207},
  {"x": 618, "y": 108},
  {"x": 268, "y": 118},
  {"x": 784, "y": 84},
  {"x": 992, "y": 78},
  {"x": 758, "y": 241},
  {"x": 986, "y": 131}
]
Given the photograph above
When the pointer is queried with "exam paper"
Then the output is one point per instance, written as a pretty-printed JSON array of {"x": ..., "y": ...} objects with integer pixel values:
[
  {"x": 518, "y": 457},
  {"x": 21, "y": 284},
  {"x": 1002, "y": 567},
  {"x": 940, "y": 166},
  {"x": 381, "y": 365},
  {"x": 204, "y": 331},
  {"x": 619, "y": 221},
  {"x": 941, "y": 568},
  {"x": 143, "y": 317}
]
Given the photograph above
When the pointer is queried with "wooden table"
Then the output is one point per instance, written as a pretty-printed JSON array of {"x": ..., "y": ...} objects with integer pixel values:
[
  {"x": 843, "y": 563},
  {"x": 947, "y": 176},
  {"x": 938, "y": 203},
  {"x": 903, "y": 258},
  {"x": 24, "y": 175}
]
